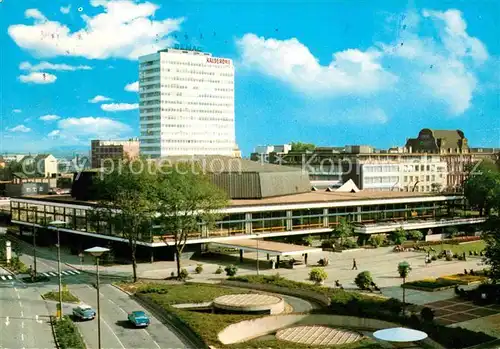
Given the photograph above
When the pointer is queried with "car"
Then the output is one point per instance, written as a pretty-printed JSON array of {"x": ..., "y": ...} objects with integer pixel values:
[
  {"x": 84, "y": 312},
  {"x": 139, "y": 319}
]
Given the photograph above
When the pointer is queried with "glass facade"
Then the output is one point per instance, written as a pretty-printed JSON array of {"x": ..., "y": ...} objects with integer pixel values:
[{"x": 99, "y": 222}]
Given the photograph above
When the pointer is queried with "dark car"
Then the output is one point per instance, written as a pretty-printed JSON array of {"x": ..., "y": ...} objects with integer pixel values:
[{"x": 139, "y": 319}]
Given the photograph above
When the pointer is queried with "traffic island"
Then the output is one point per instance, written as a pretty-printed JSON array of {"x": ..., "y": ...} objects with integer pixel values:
[
  {"x": 66, "y": 334},
  {"x": 67, "y": 297},
  {"x": 250, "y": 304}
]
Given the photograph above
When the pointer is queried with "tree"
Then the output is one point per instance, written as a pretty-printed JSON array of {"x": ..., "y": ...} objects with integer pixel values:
[
  {"x": 481, "y": 188},
  {"x": 398, "y": 236},
  {"x": 436, "y": 187},
  {"x": 300, "y": 147},
  {"x": 186, "y": 201},
  {"x": 404, "y": 269},
  {"x": 127, "y": 201},
  {"x": 491, "y": 236},
  {"x": 343, "y": 230}
]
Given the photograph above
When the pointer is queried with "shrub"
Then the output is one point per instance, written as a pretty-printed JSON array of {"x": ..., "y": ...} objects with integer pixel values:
[
  {"x": 184, "y": 274},
  {"x": 231, "y": 270},
  {"x": 431, "y": 283},
  {"x": 349, "y": 244},
  {"x": 364, "y": 280},
  {"x": 199, "y": 268},
  {"x": 415, "y": 235},
  {"x": 449, "y": 258},
  {"x": 318, "y": 275},
  {"x": 376, "y": 240},
  {"x": 152, "y": 289},
  {"x": 427, "y": 314},
  {"x": 67, "y": 334},
  {"x": 219, "y": 270},
  {"x": 398, "y": 236},
  {"x": 434, "y": 258},
  {"x": 330, "y": 243}
]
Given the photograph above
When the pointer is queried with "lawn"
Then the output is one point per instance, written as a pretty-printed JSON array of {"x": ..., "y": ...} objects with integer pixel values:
[
  {"x": 275, "y": 344},
  {"x": 66, "y": 296},
  {"x": 207, "y": 325},
  {"x": 461, "y": 248}
]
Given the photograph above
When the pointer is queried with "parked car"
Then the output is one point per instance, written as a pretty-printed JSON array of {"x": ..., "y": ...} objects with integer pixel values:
[
  {"x": 84, "y": 312},
  {"x": 139, "y": 319}
]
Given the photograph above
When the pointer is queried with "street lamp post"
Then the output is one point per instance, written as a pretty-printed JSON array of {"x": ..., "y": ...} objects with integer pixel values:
[
  {"x": 57, "y": 224},
  {"x": 97, "y": 252},
  {"x": 34, "y": 210},
  {"x": 257, "y": 254}
]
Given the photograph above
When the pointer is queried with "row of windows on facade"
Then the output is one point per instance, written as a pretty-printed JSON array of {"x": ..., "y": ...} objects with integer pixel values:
[
  {"x": 188, "y": 118},
  {"x": 147, "y": 72},
  {"x": 427, "y": 178},
  {"x": 150, "y": 133},
  {"x": 157, "y": 94},
  {"x": 186, "y": 110},
  {"x": 156, "y": 102},
  {"x": 166, "y": 150},
  {"x": 405, "y": 168},
  {"x": 194, "y": 134},
  {"x": 193, "y": 64},
  {"x": 184, "y": 141},
  {"x": 144, "y": 80}
]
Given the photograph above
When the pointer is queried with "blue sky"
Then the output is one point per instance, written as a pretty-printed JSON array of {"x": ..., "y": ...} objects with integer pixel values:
[{"x": 326, "y": 72}]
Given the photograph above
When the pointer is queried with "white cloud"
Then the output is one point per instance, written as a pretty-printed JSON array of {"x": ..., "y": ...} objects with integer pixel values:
[
  {"x": 81, "y": 130},
  {"x": 17, "y": 111},
  {"x": 49, "y": 66},
  {"x": 49, "y": 117},
  {"x": 65, "y": 10},
  {"x": 438, "y": 67},
  {"x": 54, "y": 133},
  {"x": 20, "y": 128},
  {"x": 455, "y": 37},
  {"x": 132, "y": 87},
  {"x": 350, "y": 71},
  {"x": 139, "y": 32},
  {"x": 99, "y": 98},
  {"x": 114, "y": 107},
  {"x": 38, "y": 78}
]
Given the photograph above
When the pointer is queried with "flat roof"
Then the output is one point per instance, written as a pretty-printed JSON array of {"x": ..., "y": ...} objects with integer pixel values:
[
  {"x": 313, "y": 197},
  {"x": 271, "y": 247},
  {"x": 333, "y": 196}
]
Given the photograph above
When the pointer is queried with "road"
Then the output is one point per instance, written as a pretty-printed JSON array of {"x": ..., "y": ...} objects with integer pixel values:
[
  {"x": 115, "y": 304},
  {"x": 24, "y": 321}
]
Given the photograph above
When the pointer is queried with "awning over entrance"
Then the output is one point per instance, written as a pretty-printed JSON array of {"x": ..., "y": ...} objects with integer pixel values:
[{"x": 269, "y": 247}]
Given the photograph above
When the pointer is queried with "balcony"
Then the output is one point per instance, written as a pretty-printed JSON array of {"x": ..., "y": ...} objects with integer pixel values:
[{"x": 385, "y": 227}]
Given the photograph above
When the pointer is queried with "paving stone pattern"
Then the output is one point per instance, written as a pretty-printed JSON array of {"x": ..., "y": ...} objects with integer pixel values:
[
  {"x": 239, "y": 300},
  {"x": 317, "y": 335},
  {"x": 457, "y": 310}
]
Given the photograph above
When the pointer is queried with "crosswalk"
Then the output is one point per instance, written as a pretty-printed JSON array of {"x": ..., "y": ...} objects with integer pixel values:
[
  {"x": 49, "y": 274},
  {"x": 63, "y": 273}
]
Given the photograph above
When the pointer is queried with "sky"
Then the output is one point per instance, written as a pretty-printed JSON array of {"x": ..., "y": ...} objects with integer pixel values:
[{"x": 326, "y": 72}]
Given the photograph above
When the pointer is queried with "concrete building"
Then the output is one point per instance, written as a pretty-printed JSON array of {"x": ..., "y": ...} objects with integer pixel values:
[
  {"x": 186, "y": 104},
  {"x": 41, "y": 165},
  {"x": 438, "y": 142},
  {"x": 102, "y": 150}
]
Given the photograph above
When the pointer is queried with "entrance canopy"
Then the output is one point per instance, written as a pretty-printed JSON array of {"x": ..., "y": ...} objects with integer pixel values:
[{"x": 269, "y": 247}]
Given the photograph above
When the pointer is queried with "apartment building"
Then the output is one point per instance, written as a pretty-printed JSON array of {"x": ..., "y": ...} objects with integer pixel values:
[
  {"x": 102, "y": 150},
  {"x": 186, "y": 104}
]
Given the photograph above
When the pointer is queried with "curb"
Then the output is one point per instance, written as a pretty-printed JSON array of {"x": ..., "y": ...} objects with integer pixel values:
[{"x": 52, "y": 319}]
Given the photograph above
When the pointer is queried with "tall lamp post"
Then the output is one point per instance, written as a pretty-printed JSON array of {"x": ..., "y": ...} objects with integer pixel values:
[
  {"x": 57, "y": 224},
  {"x": 34, "y": 210},
  {"x": 257, "y": 254},
  {"x": 97, "y": 252}
]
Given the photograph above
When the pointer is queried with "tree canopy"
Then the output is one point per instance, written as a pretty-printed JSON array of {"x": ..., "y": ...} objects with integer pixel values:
[
  {"x": 482, "y": 188},
  {"x": 300, "y": 147}
]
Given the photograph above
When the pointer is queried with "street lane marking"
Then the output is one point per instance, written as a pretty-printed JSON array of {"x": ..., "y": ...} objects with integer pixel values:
[
  {"x": 46, "y": 274},
  {"x": 114, "y": 334},
  {"x": 22, "y": 324},
  {"x": 52, "y": 273},
  {"x": 18, "y": 296},
  {"x": 20, "y": 304},
  {"x": 76, "y": 271},
  {"x": 9, "y": 277},
  {"x": 22, "y": 336},
  {"x": 71, "y": 272},
  {"x": 3, "y": 278},
  {"x": 149, "y": 334},
  {"x": 64, "y": 272},
  {"x": 22, "y": 313}
]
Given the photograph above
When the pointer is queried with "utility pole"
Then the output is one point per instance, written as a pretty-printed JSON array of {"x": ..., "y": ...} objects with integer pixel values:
[{"x": 35, "y": 211}]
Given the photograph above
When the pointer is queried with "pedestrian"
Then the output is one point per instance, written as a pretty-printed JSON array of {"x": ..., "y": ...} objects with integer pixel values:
[{"x": 354, "y": 265}]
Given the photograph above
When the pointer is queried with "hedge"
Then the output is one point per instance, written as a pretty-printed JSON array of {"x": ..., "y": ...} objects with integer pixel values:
[
  {"x": 430, "y": 284},
  {"x": 67, "y": 334}
]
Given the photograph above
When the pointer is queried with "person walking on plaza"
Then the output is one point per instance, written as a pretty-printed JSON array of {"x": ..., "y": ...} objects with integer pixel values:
[{"x": 354, "y": 265}]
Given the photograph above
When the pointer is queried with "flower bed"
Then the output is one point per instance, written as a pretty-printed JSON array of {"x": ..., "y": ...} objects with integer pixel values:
[
  {"x": 454, "y": 241},
  {"x": 463, "y": 279}
]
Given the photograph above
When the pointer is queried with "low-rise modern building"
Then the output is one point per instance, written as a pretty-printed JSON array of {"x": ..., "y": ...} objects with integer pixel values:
[
  {"x": 104, "y": 150},
  {"x": 41, "y": 165}
]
